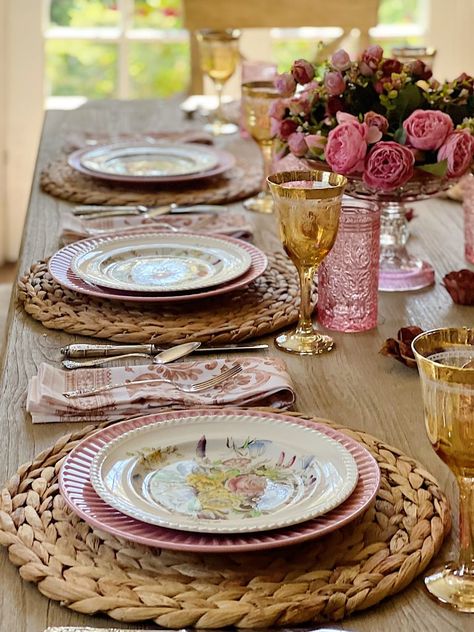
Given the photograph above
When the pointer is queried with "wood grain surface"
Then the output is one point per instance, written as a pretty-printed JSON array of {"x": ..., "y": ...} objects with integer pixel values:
[{"x": 353, "y": 385}]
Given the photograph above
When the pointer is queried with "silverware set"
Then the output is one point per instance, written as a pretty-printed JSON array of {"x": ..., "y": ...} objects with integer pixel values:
[{"x": 88, "y": 212}]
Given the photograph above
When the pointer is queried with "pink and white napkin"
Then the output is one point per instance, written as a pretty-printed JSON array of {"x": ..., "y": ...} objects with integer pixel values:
[
  {"x": 262, "y": 382},
  {"x": 233, "y": 224}
]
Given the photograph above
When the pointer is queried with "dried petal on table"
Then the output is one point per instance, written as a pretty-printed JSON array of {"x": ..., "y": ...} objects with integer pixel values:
[
  {"x": 400, "y": 348},
  {"x": 460, "y": 285}
]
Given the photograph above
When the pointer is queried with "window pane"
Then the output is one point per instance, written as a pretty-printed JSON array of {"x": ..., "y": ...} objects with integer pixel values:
[
  {"x": 84, "y": 13},
  {"x": 158, "y": 69},
  {"x": 158, "y": 14},
  {"x": 81, "y": 68},
  {"x": 400, "y": 11},
  {"x": 285, "y": 51}
]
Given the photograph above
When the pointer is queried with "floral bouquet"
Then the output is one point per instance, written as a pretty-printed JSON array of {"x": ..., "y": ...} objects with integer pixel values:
[{"x": 375, "y": 118}]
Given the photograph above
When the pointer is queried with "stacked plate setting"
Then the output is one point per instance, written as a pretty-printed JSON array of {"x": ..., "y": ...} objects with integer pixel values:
[
  {"x": 218, "y": 481},
  {"x": 151, "y": 163},
  {"x": 157, "y": 266}
]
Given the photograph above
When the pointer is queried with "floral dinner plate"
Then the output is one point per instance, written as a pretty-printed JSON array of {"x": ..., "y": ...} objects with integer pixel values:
[
  {"x": 77, "y": 491},
  {"x": 233, "y": 473},
  {"x": 161, "y": 262}
]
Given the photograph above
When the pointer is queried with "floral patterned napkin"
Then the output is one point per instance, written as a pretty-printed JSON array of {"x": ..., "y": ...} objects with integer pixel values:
[
  {"x": 262, "y": 382},
  {"x": 224, "y": 223}
]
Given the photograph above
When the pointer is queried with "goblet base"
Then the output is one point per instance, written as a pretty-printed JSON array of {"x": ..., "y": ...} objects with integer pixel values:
[
  {"x": 221, "y": 128},
  {"x": 304, "y": 344},
  {"x": 407, "y": 279},
  {"x": 261, "y": 203},
  {"x": 452, "y": 586}
]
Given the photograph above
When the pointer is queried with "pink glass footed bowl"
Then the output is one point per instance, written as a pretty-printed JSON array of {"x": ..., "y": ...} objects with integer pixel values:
[{"x": 399, "y": 270}]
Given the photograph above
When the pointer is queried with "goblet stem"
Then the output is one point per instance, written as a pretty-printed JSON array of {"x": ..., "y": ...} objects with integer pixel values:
[
  {"x": 219, "y": 118},
  {"x": 466, "y": 525},
  {"x": 305, "y": 323},
  {"x": 266, "y": 147}
]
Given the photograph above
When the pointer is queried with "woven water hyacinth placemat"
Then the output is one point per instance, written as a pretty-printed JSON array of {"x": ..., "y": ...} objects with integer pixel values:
[
  {"x": 240, "y": 182},
  {"x": 91, "y": 572},
  {"x": 268, "y": 304}
]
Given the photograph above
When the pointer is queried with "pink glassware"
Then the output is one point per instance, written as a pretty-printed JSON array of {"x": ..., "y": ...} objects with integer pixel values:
[
  {"x": 348, "y": 276},
  {"x": 468, "y": 205}
]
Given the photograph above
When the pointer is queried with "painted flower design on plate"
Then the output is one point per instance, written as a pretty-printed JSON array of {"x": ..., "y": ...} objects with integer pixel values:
[{"x": 236, "y": 479}]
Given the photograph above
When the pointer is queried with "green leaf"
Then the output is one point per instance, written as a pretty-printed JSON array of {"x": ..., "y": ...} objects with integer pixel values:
[
  {"x": 409, "y": 99},
  {"x": 437, "y": 169},
  {"x": 400, "y": 136}
]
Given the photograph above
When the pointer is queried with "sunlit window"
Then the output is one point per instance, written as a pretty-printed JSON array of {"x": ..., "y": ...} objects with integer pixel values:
[{"x": 139, "y": 49}]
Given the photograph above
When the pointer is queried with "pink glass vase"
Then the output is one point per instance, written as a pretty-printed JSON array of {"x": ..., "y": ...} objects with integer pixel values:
[
  {"x": 468, "y": 205},
  {"x": 348, "y": 277}
]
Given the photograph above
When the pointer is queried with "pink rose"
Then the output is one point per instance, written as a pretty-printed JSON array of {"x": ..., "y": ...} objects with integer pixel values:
[
  {"x": 287, "y": 127},
  {"x": 302, "y": 71},
  {"x": 285, "y": 84},
  {"x": 341, "y": 60},
  {"x": 334, "y": 83},
  {"x": 346, "y": 147},
  {"x": 458, "y": 150},
  {"x": 376, "y": 120},
  {"x": 277, "y": 109},
  {"x": 297, "y": 144},
  {"x": 388, "y": 165},
  {"x": 371, "y": 57},
  {"x": 316, "y": 143},
  {"x": 301, "y": 104},
  {"x": 427, "y": 129},
  {"x": 249, "y": 485},
  {"x": 275, "y": 127}
]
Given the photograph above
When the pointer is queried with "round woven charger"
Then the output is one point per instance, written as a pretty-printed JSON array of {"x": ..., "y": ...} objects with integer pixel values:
[
  {"x": 92, "y": 572},
  {"x": 62, "y": 181},
  {"x": 269, "y": 303}
]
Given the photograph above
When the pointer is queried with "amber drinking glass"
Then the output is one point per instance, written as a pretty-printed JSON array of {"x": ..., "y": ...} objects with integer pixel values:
[
  {"x": 219, "y": 55},
  {"x": 257, "y": 97},
  {"x": 308, "y": 205},
  {"x": 445, "y": 359}
]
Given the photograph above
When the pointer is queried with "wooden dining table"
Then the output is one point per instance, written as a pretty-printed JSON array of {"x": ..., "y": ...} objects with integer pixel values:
[{"x": 353, "y": 385}]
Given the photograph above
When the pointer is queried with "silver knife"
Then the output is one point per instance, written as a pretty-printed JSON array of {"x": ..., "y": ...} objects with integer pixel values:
[
  {"x": 95, "y": 212},
  {"x": 95, "y": 351}
]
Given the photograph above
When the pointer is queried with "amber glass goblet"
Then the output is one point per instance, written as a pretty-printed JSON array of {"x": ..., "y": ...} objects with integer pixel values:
[
  {"x": 219, "y": 55},
  {"x": 257, "y": 97},
  {"x": 445, "y": 359},
  {"x": 308, "y": 205}
]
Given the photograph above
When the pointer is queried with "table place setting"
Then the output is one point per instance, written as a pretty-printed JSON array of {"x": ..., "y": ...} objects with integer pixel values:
[
  {"x": 190, "y": 491},
  {"x": 260, "y": 382}
]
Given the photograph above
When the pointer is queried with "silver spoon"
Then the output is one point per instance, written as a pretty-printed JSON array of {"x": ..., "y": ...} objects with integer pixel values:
[{"x": 168, "y": 355}]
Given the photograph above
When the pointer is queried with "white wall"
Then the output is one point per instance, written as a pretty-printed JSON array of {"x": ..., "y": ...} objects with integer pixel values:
[
  {"x": 451, "y": 32},
  {"x": 21, "y": 113}
]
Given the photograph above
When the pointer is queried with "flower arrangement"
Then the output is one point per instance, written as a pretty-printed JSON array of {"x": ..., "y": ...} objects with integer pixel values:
[{"x": 376, "y": 117}]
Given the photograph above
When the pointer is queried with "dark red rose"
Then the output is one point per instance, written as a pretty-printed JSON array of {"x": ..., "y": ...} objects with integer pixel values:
[
  {"x": 391, "y": 65},
  {"x": 335, "y": 104},
  {"x": 420, "y": 70},
  {"x": 287, "y": 128}
]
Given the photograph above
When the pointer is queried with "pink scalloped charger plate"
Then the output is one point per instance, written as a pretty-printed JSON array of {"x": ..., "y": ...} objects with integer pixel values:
[
  {"x": 77, "y": 490},
  {"x": 61, "y": 270}
]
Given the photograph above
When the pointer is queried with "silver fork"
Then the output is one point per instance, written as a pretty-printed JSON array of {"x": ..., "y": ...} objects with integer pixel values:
[{"x": 197, "y": 387}]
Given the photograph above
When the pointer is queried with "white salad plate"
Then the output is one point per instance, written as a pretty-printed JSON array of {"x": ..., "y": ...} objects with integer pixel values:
[
  {"x": 229, "y": 473},
  {"x": 162, "y": 262},
  {"x": 151, "y": 162}
]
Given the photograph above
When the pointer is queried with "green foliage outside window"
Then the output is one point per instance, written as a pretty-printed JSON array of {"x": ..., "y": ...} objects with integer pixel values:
[{"x": 89, "y": 68}]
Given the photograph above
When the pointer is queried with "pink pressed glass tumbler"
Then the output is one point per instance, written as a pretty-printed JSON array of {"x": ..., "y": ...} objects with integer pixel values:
[
  {"x": 468, "y": 205},
  {"x": 348, "y": 277}
]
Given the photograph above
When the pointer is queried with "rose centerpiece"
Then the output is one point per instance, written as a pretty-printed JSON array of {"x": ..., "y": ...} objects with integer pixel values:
[{"x": 395, "y": 132}]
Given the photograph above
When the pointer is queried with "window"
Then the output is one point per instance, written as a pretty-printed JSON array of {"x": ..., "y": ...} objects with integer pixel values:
[{"x": 138, "y": 48}]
